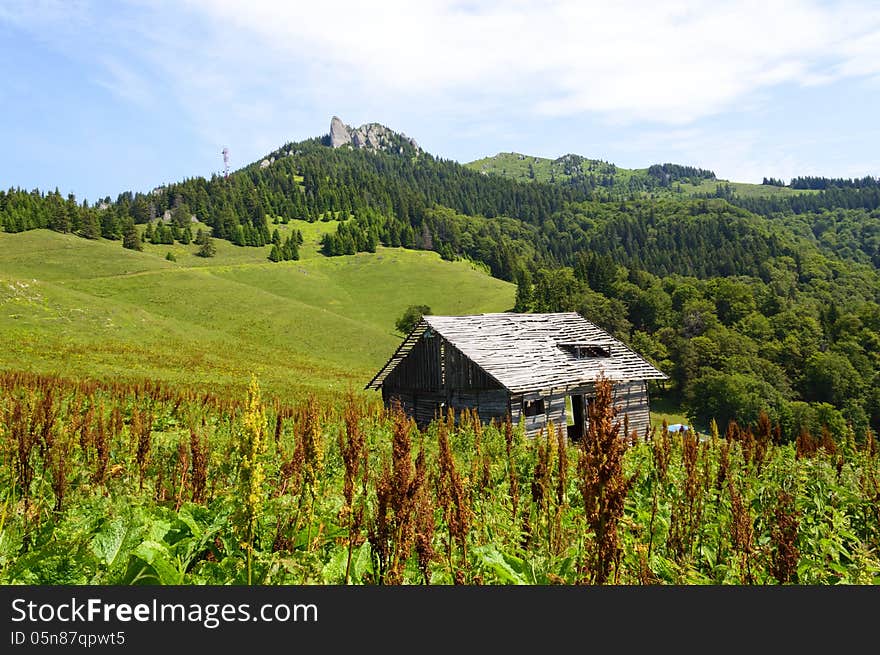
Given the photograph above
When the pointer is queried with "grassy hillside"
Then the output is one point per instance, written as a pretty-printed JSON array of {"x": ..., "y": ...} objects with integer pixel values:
[
  {"x": 743, "y": 189},
  {"x": 526, "y": 168},
  {"x": 539, "y": 169},
  {"x": 91, "y": 308}
]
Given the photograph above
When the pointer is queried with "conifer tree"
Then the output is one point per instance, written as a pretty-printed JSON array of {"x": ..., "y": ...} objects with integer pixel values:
[
  {"x": 130, "y": 237},
  {"x": 208, "y": 248}
]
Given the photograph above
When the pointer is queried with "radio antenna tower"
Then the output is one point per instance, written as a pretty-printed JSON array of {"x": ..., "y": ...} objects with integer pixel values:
[{"x": 226, "y": 163}]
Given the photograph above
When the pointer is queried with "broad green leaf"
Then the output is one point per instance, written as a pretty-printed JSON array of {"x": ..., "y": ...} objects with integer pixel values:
[
  {"x": 333, "y": 572},
  {"x": 107, "y": 545},
  {"x": 157, "y": 556},
  {"x": 491, "y": 558},
  {"x": 362, "y": 563}
]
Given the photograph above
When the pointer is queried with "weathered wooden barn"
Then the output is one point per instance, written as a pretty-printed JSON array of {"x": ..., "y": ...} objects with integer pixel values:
[{"x": 523, "y": 365}]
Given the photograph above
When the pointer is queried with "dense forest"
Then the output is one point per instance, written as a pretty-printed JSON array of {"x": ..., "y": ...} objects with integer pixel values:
[{"x": 751, "y": 303}]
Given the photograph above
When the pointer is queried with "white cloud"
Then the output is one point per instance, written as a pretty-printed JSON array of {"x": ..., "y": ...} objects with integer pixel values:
[
  {"x": 669, "y": 62},
  {"x": 255, "y": 74}
]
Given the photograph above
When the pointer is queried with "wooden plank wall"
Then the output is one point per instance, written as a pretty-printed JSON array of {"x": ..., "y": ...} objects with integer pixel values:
[
  {"x": 534, "y": 424},
  {"x": 555, "y": 407},
  {"x": 516, "y": 408},
  {"x": 435, "y": 376},
  {"x": 632, "y": 397},
  {"x": 422, "y": 407},
  {"x": 420, "y": 370},
  {"x": 491, "y": 404},
  {"x": 435, "y": 364},
  {"x": 554, "y": 410},
  {"x": 426, "y": 406}
]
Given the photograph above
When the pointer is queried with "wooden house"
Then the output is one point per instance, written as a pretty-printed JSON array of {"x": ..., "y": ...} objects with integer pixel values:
[{"x": 532, "y": 367}]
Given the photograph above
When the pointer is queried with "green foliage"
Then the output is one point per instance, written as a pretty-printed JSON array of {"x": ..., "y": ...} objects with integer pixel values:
[
  {"x": 731, "y": 397},
  {"x": 737, "y": 510},
  {"x": 287, "y": 250},
  {"x": 795, "y": 327},
  {"x": 410, "y": 318},
  {"x": 180, "y": 216},
  {"x": 207, "y": 249},
  {"x": 131, "y": 238},
  {"x": 159, "y": 234},
  {"x": 250, "y": 445},
  {"x": 830, "y": 377}
]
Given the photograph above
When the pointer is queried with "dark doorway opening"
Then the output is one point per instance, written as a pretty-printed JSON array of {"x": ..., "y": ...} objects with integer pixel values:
[{"x": 576, "y": 426}]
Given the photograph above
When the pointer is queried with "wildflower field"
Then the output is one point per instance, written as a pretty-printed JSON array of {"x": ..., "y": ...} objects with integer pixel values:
[{"x": 144, "y": 484}]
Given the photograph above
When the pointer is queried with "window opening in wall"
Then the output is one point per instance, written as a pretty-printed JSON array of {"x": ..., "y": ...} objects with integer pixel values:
[{"x": 533, "y": 407}]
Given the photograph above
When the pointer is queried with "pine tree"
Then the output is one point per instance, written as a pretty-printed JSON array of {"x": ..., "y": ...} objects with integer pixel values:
[
  {"x": 141, "y": 210},
  {"x": 291, "y": 249},
  {"x": 130, "y": 237},
  {"x": 90, "y": 225},
  {"x": 110, "y": 228},
  {"x": 208, "y": 248},
  {"x": 180, "y": 216}
]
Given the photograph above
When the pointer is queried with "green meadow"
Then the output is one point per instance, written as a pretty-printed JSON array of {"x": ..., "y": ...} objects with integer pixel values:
[
  {"x": 525, "y": 168},
  {"x": 81, "y": 308},
  {"x": 742, "y": 189}
]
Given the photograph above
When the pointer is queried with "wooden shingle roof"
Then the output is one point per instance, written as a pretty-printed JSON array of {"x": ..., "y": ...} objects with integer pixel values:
[{"x": 529, "y": 352}]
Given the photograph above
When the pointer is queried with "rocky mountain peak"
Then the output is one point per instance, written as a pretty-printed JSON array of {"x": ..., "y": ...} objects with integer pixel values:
[
  {"x": 339, "y": 132},
  {"x": 370, "y": 136}
]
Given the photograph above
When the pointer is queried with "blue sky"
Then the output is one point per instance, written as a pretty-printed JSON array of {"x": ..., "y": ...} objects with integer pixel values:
[{"x": 101, "y": 97}]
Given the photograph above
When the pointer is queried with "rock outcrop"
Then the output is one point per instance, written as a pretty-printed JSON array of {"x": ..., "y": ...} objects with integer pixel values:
[
  {"x": 370, "y": 136},
  {"x": 339, "y": 133}
]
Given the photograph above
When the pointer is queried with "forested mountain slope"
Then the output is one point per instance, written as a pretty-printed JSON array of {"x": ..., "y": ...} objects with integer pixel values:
[{"x": 753, "y": 297}]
